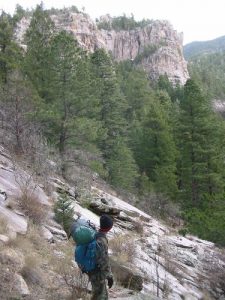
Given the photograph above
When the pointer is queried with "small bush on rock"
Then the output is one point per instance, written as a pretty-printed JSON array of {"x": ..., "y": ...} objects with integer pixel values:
[
  {"x": 3, "y": 225},
  {"x": 32, "y": 207},
  {"x": 64, "y": 212},
  {"x": 123, "y": 248}
]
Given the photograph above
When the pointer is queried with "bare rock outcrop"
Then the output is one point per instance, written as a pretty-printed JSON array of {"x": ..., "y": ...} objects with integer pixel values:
[
  {"x": 127, "y": 276},
  {"x": 157, "y": 46}
]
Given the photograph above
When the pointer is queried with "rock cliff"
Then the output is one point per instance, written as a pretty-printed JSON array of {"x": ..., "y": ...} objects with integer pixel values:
[{"x": 156, "y": 46}]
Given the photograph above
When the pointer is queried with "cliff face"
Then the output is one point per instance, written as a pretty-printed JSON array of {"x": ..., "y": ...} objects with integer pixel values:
[{"x": 157, "y": 46}]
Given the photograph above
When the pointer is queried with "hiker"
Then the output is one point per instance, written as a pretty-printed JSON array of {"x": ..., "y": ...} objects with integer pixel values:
[
  {"x": 91, "y": 253},
  {"x": 103, "y": 272}
]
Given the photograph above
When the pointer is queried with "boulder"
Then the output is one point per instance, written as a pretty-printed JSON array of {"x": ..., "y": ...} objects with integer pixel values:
[
  {"x": 20, "y": 285},
  {"x": 46, "y": 234},
  {"x": 127, "y": 276},
  {"x": 12, "y": 259},
  {"x": 98, "y": 207},
  {"x": 4, "y": 239},
  {"x": 58, "y": 233},
  {"x": 15, "y": 222}
]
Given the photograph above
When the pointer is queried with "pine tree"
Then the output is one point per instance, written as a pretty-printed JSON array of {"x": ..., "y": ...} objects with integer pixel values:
[
  {"x": 70, "y": 112},
  {"x": 155, "y": 150},
  {"x": 123, "y": 171},
  {"x": 201, "y": 148},
  {"x": 10, "y": 54},
  {"x": 64, "y": 212},
  {"x": 37, "y": 39},
  {"x": 112, "y": 102},
  {"x": 19, "y": 107},
  {"x": 135, "y": 86},
  {"x": 119, "y": 159}
]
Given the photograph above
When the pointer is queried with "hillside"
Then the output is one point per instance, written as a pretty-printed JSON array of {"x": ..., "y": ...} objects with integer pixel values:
[
  {"x": 82, "y": 121},
  {"x": 206, "y": 47},
  {"x": 36, "y": 257}
]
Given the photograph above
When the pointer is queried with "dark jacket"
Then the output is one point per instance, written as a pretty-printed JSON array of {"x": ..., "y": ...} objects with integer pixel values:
[{"x": 102, "y": 257}]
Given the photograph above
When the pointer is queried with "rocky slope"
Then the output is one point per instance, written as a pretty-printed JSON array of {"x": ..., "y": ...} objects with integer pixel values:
[
  {"x": 157, "y": 46},
  {"x": 149, "y": 259}
]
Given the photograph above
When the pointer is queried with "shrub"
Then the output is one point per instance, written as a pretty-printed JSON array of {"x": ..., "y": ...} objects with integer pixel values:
[
  {"x": 71, "y": 275},
  {"x": 138, "y": 227},
  {"x": 64, "y": 211},
  {"x": 123, "y": 248},
  {"x": 98, "y": 167},
  {"x": 183, "y": 231},
  {"x": 147, "y": 51},
  {"x": 32, "y": 207},
  {"x": 3, "y": 225}
]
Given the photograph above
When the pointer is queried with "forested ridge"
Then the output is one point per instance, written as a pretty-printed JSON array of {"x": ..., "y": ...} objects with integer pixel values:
[
  {"x": 205, "y": 47},
  {"x": 161, "y": 142}
]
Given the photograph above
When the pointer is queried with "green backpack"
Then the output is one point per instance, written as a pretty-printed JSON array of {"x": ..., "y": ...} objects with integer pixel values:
[{"x": 82, "y": 231}]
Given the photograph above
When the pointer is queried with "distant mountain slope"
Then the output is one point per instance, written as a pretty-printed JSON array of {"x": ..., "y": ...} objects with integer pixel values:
[
  {"x": 209, "y": 71},
  {"x": 196, "y": 48}
]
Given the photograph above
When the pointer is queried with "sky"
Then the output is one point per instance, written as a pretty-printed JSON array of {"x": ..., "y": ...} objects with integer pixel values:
[{"x": 199, "y": 20}]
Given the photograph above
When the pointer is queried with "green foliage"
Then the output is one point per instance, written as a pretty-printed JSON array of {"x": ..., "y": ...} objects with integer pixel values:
[
  {"x": 156, "y": 139},
  {"x": 98, "y": 167},
  {"x": 65, "y": 10},
  {"x": 19, "y": 105},
  {"x": 123, "y": 171},
  {"x": 112, "y": 102},
  {"x": 209, "y": 223},
  {"x": 10, "y": 54},
  {"x": 146, "y": 52},
  {"x": 122, "y": 23},
  {"x": 20, "y": 13},
  {"x": 69, "y": 117},
  {"x": 37, "y": 38},
  {"x": 208, "y": 70},
  {"x": 202, "y": 48},
  {"x": 64, "y": 211},
  {"x": 183, "y": 231},
  {"x": 201, "y": 145},
  {"x": 134, "y": 84},
  {"x": 155, "y": 150}
]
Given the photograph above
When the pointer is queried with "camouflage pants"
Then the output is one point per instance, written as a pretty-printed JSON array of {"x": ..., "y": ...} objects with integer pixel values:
[{"x": 99, "y": 289}]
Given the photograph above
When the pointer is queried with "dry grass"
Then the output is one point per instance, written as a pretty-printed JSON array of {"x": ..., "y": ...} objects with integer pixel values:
[
  {"x": 75, "y": 281},
  {"x": 32, "y": 272},
  {"x": 32, "y": 207},
  {"x": 32, "y": 243},
  {"x": 123, "y": 248},
  {"x": 139, "y": 227},
  {"x": 3, "y": 225},
  {"x": 6, "y": 283}
]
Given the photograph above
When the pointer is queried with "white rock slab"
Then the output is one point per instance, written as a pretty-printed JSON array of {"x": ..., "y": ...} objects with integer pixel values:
[
  {"x": 4, "y": 239},
  {"x": 15, "y": 222},
  {"x": 46, "y": 233},
  {"x": 21, "y": 285}
]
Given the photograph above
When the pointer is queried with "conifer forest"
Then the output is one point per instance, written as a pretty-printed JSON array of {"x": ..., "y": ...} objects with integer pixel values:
[{"x": 162, "y": 142}]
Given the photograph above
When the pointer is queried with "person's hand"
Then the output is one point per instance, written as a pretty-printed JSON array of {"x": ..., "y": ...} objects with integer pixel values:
[{"x": 110, "y": 281}]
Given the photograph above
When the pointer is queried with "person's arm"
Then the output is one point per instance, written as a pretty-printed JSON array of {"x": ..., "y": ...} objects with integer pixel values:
[{"x": 102, "y": 257}]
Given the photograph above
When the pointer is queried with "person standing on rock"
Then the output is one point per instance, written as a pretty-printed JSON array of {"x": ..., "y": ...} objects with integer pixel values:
[{"x": 103, "y": 272}]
